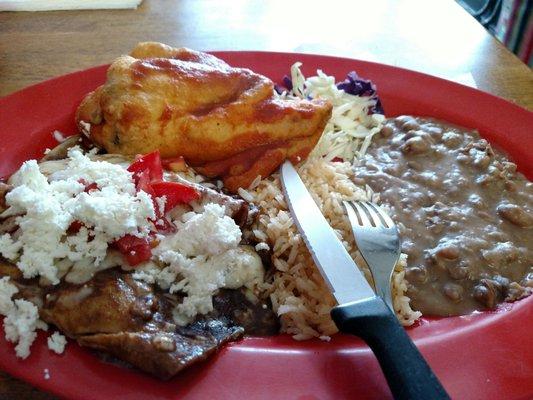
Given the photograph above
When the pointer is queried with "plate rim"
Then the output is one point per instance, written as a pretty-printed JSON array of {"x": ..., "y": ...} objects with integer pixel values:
[{"x": 492, "y": 98}]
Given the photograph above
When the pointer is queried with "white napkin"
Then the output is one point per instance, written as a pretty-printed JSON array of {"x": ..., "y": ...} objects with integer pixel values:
[{"x": 49, "y": 5}]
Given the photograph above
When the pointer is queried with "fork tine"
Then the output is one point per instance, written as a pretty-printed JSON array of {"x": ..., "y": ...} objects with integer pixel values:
[
  {"x": 387, "y": 221},
  {"x": 378, "y": 218},
  {"x": 352, "y": 216},
  {"x": 375, "y": 220},
  {"x": 363, "y": 215},
  {"x": 377, "y": 240},
  {"x": 366, "y": 218}
]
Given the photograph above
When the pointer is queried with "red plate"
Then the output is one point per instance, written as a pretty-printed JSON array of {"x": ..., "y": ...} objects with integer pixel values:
[{"x": 480, "y": 356}]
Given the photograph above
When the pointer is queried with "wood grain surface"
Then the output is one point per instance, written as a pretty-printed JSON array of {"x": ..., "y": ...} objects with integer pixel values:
[{"x": 434, "y": 37}]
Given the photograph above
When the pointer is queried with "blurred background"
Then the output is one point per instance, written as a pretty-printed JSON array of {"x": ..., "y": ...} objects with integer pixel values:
[{"x": 509, "y": 21}]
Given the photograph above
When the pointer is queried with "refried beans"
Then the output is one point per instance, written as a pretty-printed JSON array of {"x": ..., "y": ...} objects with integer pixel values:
[{"x": 464, "y": 213}]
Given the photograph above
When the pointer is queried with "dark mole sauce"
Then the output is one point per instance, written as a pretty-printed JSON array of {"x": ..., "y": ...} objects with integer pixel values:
[{"x": 464, "y": 214}]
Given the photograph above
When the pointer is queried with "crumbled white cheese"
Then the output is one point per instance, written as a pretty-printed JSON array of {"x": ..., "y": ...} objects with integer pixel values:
[
  {"x": 147, "y": 272},
  {"x": 211, "y": 232},
  {"x": 262, "y": 246},
  {"x": 45, "y": 208},
  {"x": 84, "y": 269},
  {"x": 161, "y": 201},
  {"x": 203, "y": 256},
  {"x": 20, "y": 325},
  {"x": 7, "y": 290},
  {"x": 8, "y": 247},
  {"x": 21, "y": 318},
  {"x": 57, "y": 342}
]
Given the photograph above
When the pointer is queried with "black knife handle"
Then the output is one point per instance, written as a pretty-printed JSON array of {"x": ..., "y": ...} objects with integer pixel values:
[{"x": 407, "y": 373}]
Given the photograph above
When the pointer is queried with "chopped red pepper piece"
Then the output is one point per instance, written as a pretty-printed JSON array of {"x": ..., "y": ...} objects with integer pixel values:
[
  {"x": 135, "y": 249},
  {"x": 150, "y": 162},
  {"x": 175, "y": 193}
]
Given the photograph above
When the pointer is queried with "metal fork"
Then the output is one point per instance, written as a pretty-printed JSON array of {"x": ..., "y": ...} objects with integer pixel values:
[{"x": 377, "y": 238}]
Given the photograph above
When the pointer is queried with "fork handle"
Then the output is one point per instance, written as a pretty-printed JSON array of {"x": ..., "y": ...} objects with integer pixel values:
[{"x": 407, "y": 373}]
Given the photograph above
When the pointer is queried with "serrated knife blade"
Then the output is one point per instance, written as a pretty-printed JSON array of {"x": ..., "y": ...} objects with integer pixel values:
[{"x": 339, "y": 270}]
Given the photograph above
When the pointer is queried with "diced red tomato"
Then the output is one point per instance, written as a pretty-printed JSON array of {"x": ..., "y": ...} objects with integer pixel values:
[
  {"x": 338, "y": 159},
  {"x": 134, "y": 249},
  {"x": 163, "y": 225},
  {"x": 175, "y": 164},
  {"x": 175, "y": 193},
  {"x": 150, "y": 162},
  {"x": 143, "y": 183},
  {"x": 90, "y": 187},
  {"x": 74, "y": 227},
  {"x": 148, "y": 175}
]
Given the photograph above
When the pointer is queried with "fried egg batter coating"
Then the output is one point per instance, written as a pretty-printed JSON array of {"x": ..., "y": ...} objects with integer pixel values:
[{"x": 226, "y": 122}]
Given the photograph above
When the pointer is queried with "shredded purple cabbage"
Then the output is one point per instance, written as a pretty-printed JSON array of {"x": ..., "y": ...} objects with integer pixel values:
[
  {"x": 286, "y": 86},
  {"x": 279, "y": 88},
  {"x": 357, "y": 86},
  {"x": 287, "y": 82},
  {"x": 353, "y": 84},
  {"x": 378, "y": 107}
]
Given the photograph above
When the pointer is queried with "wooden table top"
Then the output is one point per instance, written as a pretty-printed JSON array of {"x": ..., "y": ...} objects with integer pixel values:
[{"x": 436, "y": 37}]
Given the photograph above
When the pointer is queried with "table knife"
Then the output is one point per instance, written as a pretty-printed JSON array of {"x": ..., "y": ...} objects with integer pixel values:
[{"x": 360, "y": 312}]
